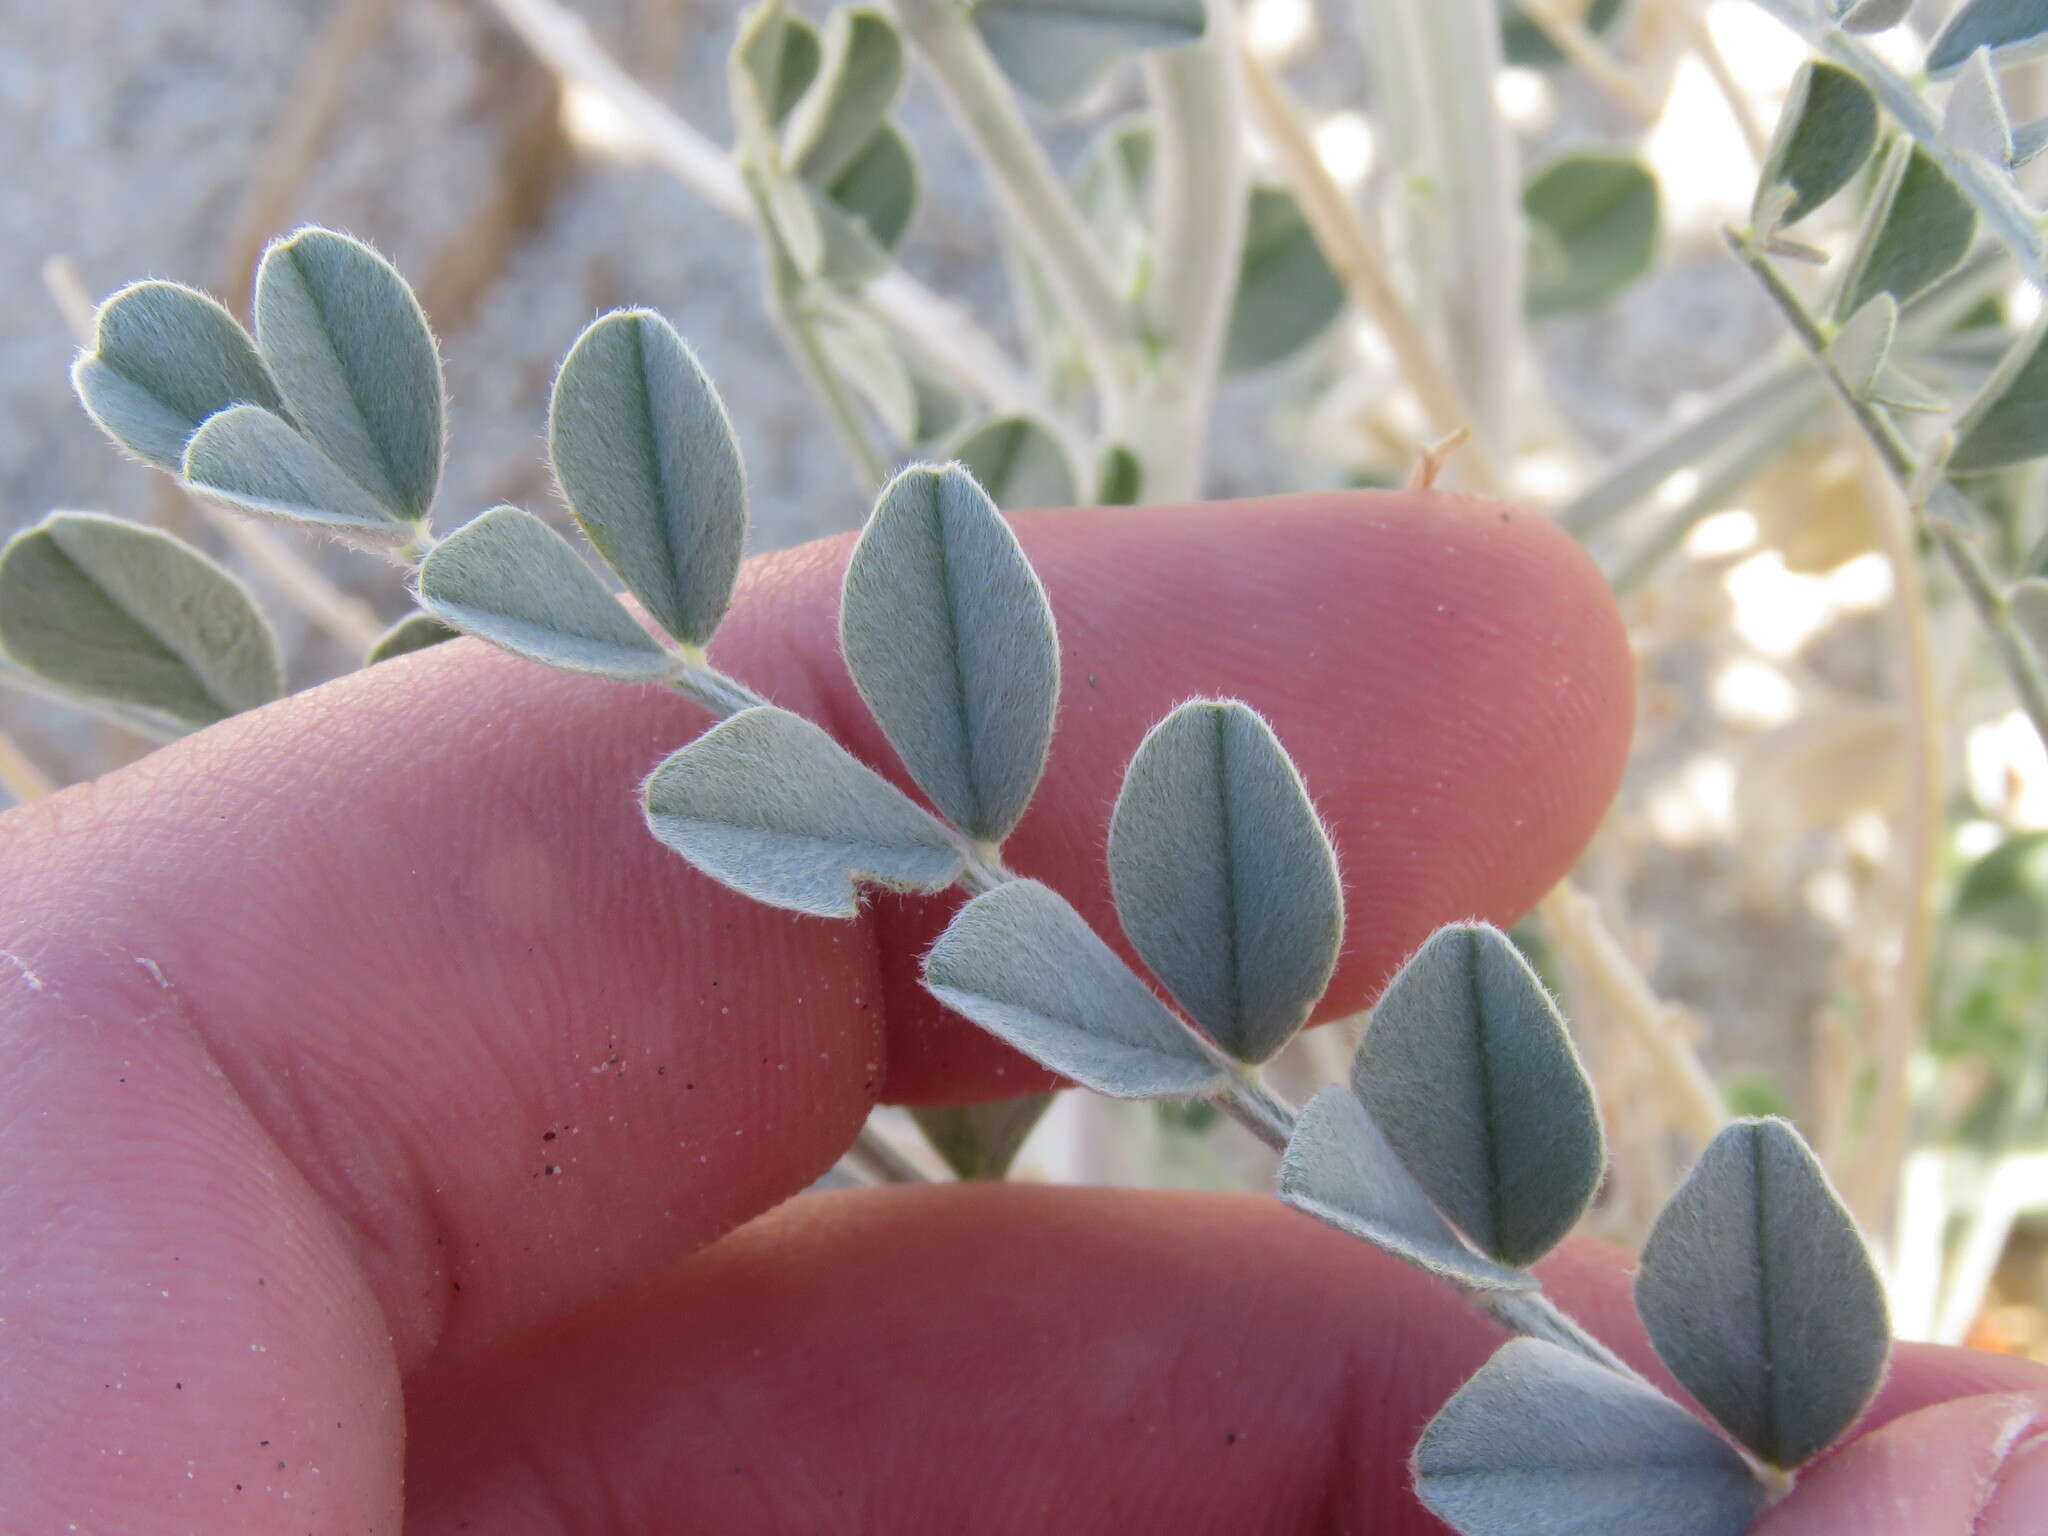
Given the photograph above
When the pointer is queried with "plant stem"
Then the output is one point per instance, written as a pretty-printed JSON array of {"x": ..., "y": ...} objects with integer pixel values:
[
  {"x": 1990, "y": 189},
  {"x": 943, "y": 334},
  {"x": 1200, "y": 184},
  {"x": 1569, "y": 35},
  {"x": 1041, "y": 210},
  {"x": 1363, "y": 267},
  {"x": 1248, "y": 1101}
]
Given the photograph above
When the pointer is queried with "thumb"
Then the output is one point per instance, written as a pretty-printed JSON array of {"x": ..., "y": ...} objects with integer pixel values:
[{"x": 1977, "y": 1466}]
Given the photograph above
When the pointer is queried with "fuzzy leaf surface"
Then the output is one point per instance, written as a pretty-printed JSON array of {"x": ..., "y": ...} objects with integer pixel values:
[
  {"x": 414, "y": 632},
  {"x": 349, "y": 347},
  {"x": 508, "y": 578},
  {"x": 1025, "y": 966},
  {"x": 950, "y": 640},
  {"x": 646, "y": 458},
  {"x": 981, "y": 1141},
  {"x": 113, "y": 611},
  {"x": 254, "y": 461},
  {"x": 2012, "y": 29},
  {"x": 1340, "y": 1169},
  {"x": 166, "y": 357},
  {"x": 1543, "y": 1443},
  {"x": 1759, "y": 1294},
  {"x": 1224, "y": 880},
  {"x": 1469, "y": 1071},
  {"x": 1287, "y": 295},
  {"x": 770, "y": 805},
  {"x": 1593, "y": 223},
  {"x": 1057, "y": 50},
  {"x": 1825, "y": 133},
  {"x": 1923, "y": 232},
  {"x": 1019, "y": 461}
]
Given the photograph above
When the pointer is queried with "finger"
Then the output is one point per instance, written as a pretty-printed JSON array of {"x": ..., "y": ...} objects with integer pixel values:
[
  {"x": 502, "y": 1054},
  {"x": 1006, "y": 1359}
]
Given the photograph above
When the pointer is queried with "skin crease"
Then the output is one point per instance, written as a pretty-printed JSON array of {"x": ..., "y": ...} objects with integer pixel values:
[{"x": 375, "y": 1095}]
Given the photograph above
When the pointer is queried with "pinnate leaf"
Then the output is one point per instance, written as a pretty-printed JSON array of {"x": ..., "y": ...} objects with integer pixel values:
[
  {"x": 770, "y": 805},
  {"x": 254, "y": 461},
  {"x": 1759, "y": 1294},
  {"x": 164, "y": 358},
  {"x": 2013, "y": 29},
  {"x": 1542, "y": 1442},
  {"x": 1340, "y": 1169},
  {"x": 950, "y": 640},
  {"x": 350, "y": 350},
  {"x": 1224, "y": 881},
  {"x": 1059, "y": 50},
  {"x": 1825, "y": 133},
  {"x": 121, "y": 614},
  {"x": 1027, "y": 968},
  {"x": 1468, "y": 1069},
  {"x": 648, "y": 463},
  {"x": 508, "y": 578}
]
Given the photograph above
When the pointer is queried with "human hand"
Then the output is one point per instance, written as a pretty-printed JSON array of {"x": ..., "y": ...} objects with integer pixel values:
[{"x": 376, "y": 1097}]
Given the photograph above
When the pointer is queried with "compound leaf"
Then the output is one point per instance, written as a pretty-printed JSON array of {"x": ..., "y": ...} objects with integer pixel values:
[
  {"x": 350, "y": 350},
  {"x": 1287, "y": 295},
  {"x": 1058, "y": 50},
  {"x": 1224, "y": 881},
  {"x": 1759, "y": 1294},
  {"x": 1027, "y": 968},
  {"x": 847, "y": 105},
  {"x": 778, "y": 58},
  {"x": 950, "y": 640},
  {"x": 1826, "y": 132},
  {"x": 254, "y": 461},
  {"x": 767, "y": 803},
  {"x": 164, "y": 358},
  {"x": 646, "y": 458},
  {"x": 1543, "y": 1441},
  {"x": 2012, "y": 29},
  {"x": 1019, "y": 461},
  {"x": 508, "y": 578},
  {"x": 118, "y": 613},
  {"x": 414, "y": 632},
  {"x": 1593, "y": 223},
  {"x": 1340, "y": 1169},
  {"x": 981, "y": 1141},
  {"x": 1468, "y": 1069}
]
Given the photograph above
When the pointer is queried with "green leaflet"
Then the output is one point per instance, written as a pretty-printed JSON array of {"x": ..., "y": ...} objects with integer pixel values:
[
  {"x": 1523, "y": 42},
  {"x": 2007, "y": 422},
  {"x": 2012, "y": 29},
  {"x": 1119, "y": 478},
  {"x": 1593, "y": 230},
  {"x": 1974, "y": 119},
  {"x": 1874, "y": 15},
  {"x": 1468, "y": 1069},
  {"x": 1919, "y": 228},
  {"x": 647, "y": 460},
  {"x": 851, "y": 99},
  {"x": 1825, "y": 133},
  {"x": 350, "y": 350},
  {"x": 251, "y": 460},
  {"x": 125, "y": 615},
  {"x": 879, "y": 189},
  {"x": 1759, "y": 1294},
  {"x": 767, "y": 803},
  {"x": 779, "y": 52},
  {"x": 1225, "y": 882},
  {"x": 981, "y": 1141},
  {"x": 1287, "y": 295},
  {"x": 1543, "y": 1443},
  {"x": 949, "y": 639},
  {"x": 164, "y": 358},
  {"x": 1340, "y": 1169},
  {"x": 1057, "y": 50},
  {"x": 1019, "y": 461},
  {"x": 414, "y": 632},
  {"x": 1864, "y": 343},
  {"x": 861, "y": 354},
  {"x": 1023, "y": 965},
  {"x": 508, "y": 578},
  {"x": 2006, "y": 891}
]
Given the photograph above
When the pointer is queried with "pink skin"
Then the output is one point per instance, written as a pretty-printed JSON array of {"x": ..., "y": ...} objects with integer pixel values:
[{"x": 375, "y": 1095}]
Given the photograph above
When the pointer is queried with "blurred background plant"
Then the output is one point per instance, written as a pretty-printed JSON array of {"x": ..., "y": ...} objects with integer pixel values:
[{"x": 1144, "y": 249}]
